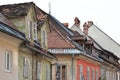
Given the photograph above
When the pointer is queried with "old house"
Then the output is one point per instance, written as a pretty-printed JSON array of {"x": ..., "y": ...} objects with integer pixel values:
[
  {"x": 110, "y": 51},
  {"x": 70, "y": 47},
  {"x": 88, "y": 67},
  {"x": 25, "y": 57},
  {"x": 109, "y": 63}
]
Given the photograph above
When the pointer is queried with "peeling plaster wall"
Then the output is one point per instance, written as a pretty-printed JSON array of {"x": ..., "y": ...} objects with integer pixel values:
[{"x": 10, "y": 44}]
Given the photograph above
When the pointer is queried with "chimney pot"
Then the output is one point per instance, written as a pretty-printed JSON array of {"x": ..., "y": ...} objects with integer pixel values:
[
  {"x": 90, "y": 23},
  {"x": 65, "y": 24},
  {"x": 85, "y": 28}
]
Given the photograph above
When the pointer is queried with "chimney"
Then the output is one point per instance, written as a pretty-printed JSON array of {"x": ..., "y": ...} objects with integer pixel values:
[
  {"x": 85, "y": 28},
  {"x": 90, "y": 23},
  {"x": 65, "y": 24},
  {"x": 77, "y": 22}
]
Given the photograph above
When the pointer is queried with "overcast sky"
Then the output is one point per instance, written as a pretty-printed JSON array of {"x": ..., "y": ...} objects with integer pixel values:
[{"x": 104, "y": 13}]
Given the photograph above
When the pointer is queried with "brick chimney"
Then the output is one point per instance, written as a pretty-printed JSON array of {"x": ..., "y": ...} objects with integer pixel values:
[
  {"x": 77, "y": 22},
  {"x": 87, "y": 26},
  {"x": 90, "y": 23},
  {"x": 66, "y": 24}
]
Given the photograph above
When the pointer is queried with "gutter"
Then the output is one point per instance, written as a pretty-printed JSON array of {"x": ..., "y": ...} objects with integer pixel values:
[{"x": 42, "y": 52}]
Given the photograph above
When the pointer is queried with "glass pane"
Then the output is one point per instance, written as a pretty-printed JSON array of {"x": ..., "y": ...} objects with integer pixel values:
[{"x": 63, "y": 72}]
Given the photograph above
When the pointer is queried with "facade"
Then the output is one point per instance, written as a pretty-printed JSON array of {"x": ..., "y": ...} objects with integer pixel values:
[
  {"x": 25, "y": 58},
  {"x": 109, "y": 62},
  {"x": 73, "y": 52}
]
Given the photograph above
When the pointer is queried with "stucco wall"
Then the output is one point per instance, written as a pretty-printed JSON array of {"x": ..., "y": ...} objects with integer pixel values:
[
  {"x": 11, "y": 44},
  {"x": 24, "y": 54},
  {"x": 71, "y": 70}
]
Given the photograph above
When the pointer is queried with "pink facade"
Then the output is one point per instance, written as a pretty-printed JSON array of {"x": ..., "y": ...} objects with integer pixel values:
[{"x": 87, "y": 70}]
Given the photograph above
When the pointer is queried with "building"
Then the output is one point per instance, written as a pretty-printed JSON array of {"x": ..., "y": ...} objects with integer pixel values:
[
  {"x": 109, "y": 61},
  {"x": 73, "y": 52},
  {"x": 22, "y": 56}
]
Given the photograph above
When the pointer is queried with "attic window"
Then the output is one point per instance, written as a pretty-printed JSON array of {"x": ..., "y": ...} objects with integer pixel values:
[{"x": 32, "y": 30}]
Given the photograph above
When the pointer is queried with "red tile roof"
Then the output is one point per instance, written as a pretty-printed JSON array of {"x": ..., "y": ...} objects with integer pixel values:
[{"x": 57, "y": 40}]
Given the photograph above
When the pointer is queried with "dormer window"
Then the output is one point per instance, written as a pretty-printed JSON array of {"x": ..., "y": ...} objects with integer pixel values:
[
  {"x": 34, "y": 26},
  {"x": 88, "y": 46},
  {"x": 32, "y": 30},
  {"x": 44, "y": 38}
]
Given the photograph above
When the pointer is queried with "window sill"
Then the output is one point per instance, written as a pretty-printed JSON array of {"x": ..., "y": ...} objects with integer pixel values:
[{"x": 8, "y": 71}]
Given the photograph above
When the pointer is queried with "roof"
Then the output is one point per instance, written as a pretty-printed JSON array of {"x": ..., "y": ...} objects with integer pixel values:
[
  {"x": 10, "y": 31},
  {"x": 41, "y": 16},
  {"x": 67, "y": 33},
  {"x": 106, "y": 42},
  {"x": 4, "y": 20},
  {"x": 57, "y": 40},
  {"x": 15, "y": 10}
]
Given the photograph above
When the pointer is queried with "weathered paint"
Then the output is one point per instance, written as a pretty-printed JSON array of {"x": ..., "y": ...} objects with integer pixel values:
[
  {"x": 9, "y": 43},
  {"x": 26, "y": 53},
  {"x": 30, "y": 17},
  {"x": 44, "y": 28},
  {"x": 19, "y": 23},
  {"x": 70, "y": 70},
  {"x": 86, "y": 63}
]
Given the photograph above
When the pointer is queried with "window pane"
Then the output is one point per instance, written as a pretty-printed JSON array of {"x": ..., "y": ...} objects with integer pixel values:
[
  {"x": 7, "y": 61},
  {"x": 25, "y": 67},
  {"x": 61, "y": 72},
  {"x": 38, "y": 71},
  {"x": 81, "y": 72}
]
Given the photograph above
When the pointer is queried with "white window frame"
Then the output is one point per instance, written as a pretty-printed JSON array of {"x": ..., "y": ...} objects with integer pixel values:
[
  {"x": 88, "y": 73},
  {"x": 96, "y": 74},
  {"x": 44, "y": 38},
  {"x": 29, "y": 29},
  {"x": 34, "y": 31},
  {"x": 25, "y": 67},
  {"x": 47, "y": 72},
  {"x": 59, "y": 75},
  {"x": 38, "y": 70},
  {"x": 8, "y": 61},
  {"x": 81, "y": 72},
  {"x": 93, "y": 74}
]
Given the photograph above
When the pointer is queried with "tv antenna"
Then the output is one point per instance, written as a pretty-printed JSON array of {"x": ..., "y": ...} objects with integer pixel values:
[{"x": 49, "y": 8}]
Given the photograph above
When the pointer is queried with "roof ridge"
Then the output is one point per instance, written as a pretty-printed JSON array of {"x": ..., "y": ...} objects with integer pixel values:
[
  {"x": 17, "y": 3},
  {"x": 107, "y": 35}
]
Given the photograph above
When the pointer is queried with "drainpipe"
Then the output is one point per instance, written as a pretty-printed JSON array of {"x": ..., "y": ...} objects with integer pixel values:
[{"x": 72, "y": 66}]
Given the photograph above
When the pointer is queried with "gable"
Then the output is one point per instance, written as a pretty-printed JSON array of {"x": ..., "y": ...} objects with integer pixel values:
[{"x": 57, "y": 40}]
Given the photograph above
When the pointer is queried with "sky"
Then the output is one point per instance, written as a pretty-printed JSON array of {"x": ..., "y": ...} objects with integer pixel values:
[{"x": 105, "y": 14}]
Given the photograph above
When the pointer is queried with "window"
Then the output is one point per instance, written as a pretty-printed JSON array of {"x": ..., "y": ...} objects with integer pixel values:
[
  {"x": 8, "y": 60},
  {"x": 88, "y": 73},
  {"x": 25, "y": 67},
  {"x": 81, "y": 72},
  {"x": 93, "y": 74},
  {"x": 38, "y": 70},
  {"x": 47, "y": 72},
  {"x": 61, "y": 72},
  {"x": 32, "y": 30},
  {"x": 44, "y": 38},
  {"x": 29, "y": 29},
  {"x": 96, "y": 74}
]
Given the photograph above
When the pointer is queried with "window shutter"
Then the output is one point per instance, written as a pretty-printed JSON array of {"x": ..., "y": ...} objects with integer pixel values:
[
  {"x": 29, "y": 29},
  {"x": 25, "y": 67},
  {"x": 34, "y": 26}
]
